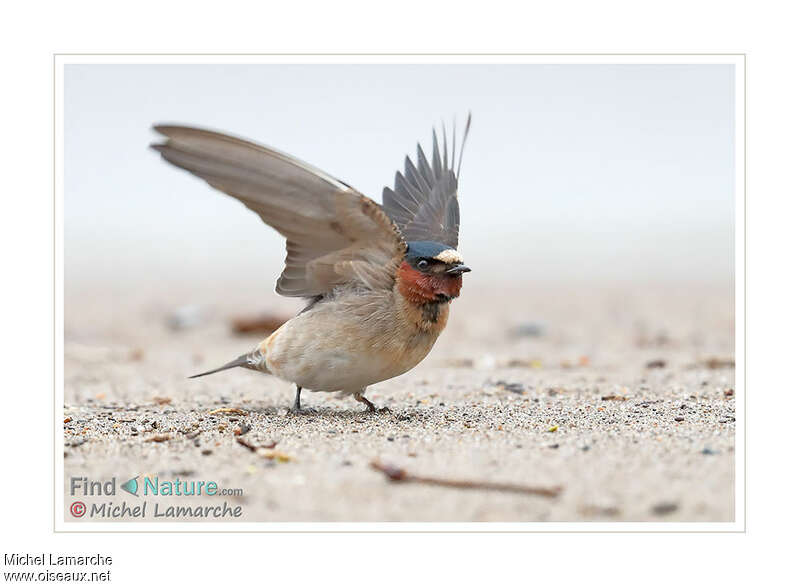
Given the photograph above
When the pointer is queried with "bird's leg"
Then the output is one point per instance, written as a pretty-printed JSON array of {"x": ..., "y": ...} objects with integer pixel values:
[
  {"x": 297, "y": 400},
  {"x": 360, "y": 397}
]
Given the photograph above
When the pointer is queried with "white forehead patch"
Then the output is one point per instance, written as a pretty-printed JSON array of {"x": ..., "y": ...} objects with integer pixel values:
[{"x": 449, "y": 256}]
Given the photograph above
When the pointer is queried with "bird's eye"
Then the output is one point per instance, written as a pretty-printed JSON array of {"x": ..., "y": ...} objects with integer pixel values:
[{"x": 422, "y": 264}]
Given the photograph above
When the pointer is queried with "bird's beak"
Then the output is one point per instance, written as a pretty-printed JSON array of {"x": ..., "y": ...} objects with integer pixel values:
[{"x": 458, "y": 270}]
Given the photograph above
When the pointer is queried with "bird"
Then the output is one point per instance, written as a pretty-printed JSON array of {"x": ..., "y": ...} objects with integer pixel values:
[{"x": 378, "y": 279}]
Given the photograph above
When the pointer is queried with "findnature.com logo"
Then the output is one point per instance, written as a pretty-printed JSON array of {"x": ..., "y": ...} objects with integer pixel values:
[{"x": 151, "y": 487}]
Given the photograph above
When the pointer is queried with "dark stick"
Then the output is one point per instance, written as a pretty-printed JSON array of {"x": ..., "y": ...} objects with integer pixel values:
[
  {"x": 401, "y": 475},
  {"x": 252, "y": 447}
]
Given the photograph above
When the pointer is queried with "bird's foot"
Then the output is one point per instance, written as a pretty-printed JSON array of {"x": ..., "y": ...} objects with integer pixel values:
[
  {"x": 371, "y": 407},
  {"x": 363, "y": 400},
  {"x": 295, "y": 411}
]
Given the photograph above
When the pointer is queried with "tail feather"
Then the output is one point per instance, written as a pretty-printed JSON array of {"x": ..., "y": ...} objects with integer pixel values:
[{"x": 241, "y": 361}]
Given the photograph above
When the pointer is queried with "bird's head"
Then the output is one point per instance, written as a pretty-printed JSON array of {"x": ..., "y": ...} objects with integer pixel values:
[{"x": 430, "y": 272}]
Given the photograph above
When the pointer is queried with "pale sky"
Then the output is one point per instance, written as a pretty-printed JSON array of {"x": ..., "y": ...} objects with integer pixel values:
[{"x": 590, "y": 172}]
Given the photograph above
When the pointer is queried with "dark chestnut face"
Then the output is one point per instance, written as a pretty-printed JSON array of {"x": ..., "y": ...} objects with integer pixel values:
[{"x": 428, "y": 279}]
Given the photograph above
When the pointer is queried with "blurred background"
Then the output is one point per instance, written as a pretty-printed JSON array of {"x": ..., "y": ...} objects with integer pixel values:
[{"x": 573, "y": 174}]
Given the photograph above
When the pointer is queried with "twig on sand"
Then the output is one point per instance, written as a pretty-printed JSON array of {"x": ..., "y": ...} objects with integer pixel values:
[
  {"x": 252, "y": 447},
  {"x": 249, "y": 446},
  {"x": 399, "y": 475},
  {"x": 237, "y": 411}
]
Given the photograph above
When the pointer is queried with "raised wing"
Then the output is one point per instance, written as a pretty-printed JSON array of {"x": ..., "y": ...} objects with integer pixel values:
[
  {"x": 424, "y": 202},
  {"x": 334, "y": 235}
]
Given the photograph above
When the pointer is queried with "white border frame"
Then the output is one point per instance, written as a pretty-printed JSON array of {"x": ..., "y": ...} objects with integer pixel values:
[{"x": 60, "y": 60}]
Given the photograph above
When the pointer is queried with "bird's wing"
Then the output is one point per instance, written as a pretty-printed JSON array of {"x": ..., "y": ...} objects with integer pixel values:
[
  {"x": 424, "y": 202},
  {"x": 334, "y": 235}
]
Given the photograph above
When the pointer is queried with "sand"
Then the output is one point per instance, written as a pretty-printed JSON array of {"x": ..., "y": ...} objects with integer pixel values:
[{"x": 622, "y": 396}]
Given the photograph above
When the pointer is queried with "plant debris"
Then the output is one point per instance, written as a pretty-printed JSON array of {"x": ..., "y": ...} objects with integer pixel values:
[
  {"x": 717, "y": 363},
  {"x": 275, "y": 455},
  {"x": 583, "y": 361},
  {"x": 525, "y": 363},
  {"x": 238, "y": 411},
  {"x": 267, "y": 451},
  {"x": 252, "y": 447},
  {"x": 261, "y": 324},
  {"x": 399, "y": 475},
  {"x": 656, "y": 364},
  {"x": 614, "y": 398}
]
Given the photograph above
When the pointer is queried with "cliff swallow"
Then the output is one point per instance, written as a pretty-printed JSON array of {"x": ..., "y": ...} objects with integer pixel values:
[{"x": 379, "y": 279}]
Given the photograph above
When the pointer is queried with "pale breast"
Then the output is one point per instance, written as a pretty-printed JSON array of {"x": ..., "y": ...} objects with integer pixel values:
[{"x": 347, "y": 344}]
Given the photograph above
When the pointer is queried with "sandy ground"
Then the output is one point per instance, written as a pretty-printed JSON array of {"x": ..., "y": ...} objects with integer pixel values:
[{"x": 621, "y": 396}]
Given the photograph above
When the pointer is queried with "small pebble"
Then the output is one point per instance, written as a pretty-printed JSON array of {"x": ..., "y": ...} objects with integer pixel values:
[
  {"x": 664, "y": 508},
  {"x": 527, "y": 330}
]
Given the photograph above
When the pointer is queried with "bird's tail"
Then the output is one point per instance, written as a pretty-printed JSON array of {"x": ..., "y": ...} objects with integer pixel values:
[{"x": 241, "y": 361}]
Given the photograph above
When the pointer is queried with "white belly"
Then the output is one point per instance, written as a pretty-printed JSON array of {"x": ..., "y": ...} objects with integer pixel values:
[
  {"x": 326, "y": 349},
  {"x": 326, "y": 369}
]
